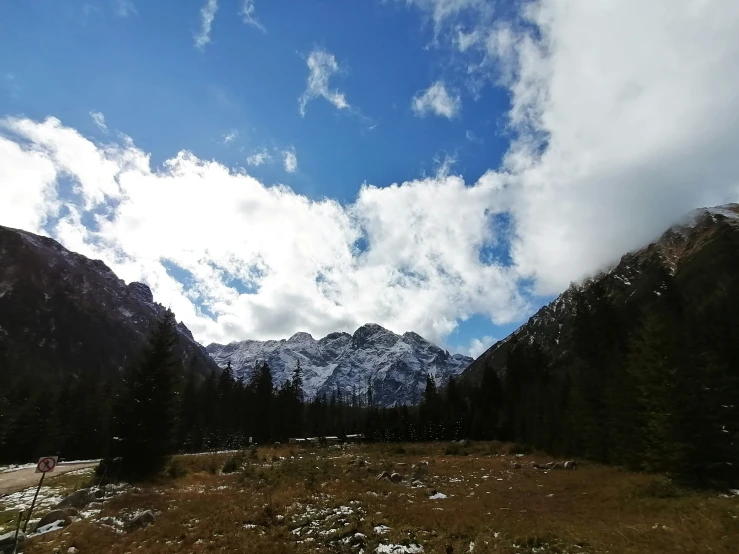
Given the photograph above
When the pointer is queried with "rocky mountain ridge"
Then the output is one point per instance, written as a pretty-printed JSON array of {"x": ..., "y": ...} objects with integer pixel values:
[
  {"x": 631, "y": 282},
  {"x": 61, "y": 311},
  {"x": 395, "y": 365}
]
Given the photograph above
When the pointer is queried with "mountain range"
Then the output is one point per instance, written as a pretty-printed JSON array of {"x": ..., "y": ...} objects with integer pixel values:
[
  {"x": 62, "y": 312},
  {"x": 396, "y": 366}
]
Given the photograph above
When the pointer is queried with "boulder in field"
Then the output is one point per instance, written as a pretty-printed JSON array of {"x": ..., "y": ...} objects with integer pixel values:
[
  {"x": 7, "y": 542},
  {"x": 142, "y": 520},
  {"x": 79, "y": 499}
]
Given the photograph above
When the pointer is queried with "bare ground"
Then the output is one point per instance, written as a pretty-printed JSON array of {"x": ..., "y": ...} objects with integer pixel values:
[{"x": 283, "y": 500}]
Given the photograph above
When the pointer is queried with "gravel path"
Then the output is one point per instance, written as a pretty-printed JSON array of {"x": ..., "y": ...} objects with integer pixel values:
[{"x": 20, "y": 479}]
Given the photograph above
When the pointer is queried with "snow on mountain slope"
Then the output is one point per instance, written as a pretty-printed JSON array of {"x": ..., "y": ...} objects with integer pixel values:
[{"x": 395, "y": 365}]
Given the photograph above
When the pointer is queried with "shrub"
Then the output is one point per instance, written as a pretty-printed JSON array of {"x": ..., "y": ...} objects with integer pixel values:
[
  {"x": 658, "y": 487},
  {"x": 518, "y": 448},
  {"x": 234, "y": 463},
  {"x": 176, "y": 468}
]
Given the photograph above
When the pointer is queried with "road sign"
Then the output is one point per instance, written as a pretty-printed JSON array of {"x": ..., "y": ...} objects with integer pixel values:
[{"x": 46, "y": 464}]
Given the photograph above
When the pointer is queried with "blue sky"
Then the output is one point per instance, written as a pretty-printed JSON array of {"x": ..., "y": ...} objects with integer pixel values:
[
  {"x": 144, "y": 74},
  {"x": 502, "y": 151}
]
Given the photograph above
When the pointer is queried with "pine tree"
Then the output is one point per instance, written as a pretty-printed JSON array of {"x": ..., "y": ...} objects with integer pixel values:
[
  {"x": 297, "y": 382},
  {"x": 147, "y": 417},
  {"x": 261, "y": 386}
]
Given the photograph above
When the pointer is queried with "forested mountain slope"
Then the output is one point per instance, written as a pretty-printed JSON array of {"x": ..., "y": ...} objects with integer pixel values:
[
  {"x": 636, "y": 366},
  {"x": 633, "y": 283}
]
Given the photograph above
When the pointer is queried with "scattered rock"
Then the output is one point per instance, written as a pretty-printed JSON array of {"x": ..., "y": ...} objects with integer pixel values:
[
  {"x": 570, "y": 464},
  {"x": 72, "y": 550},
  {"x": 417, "y": 483},
  {"x": 396, "y": 477},
  {"x": 65, "y": 515},
  {"x": 142, "y": 520},
  {"x": 79, "y": 499},
  {"x": 7, "y": 542},
  {"x": 515, "y": 465},
  {"x": 383, "y": 475}
]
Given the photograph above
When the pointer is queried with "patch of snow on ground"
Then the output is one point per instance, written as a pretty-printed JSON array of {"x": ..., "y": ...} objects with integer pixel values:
[
  {"x": 21, "y": 500},
  {"x": 16, "y": 467},
  {"x": 55, "y": 526},
  {"x": 399, "y": 549},
  {"x": 381, "y": 530},
  {"x": 438, "y": 496}
]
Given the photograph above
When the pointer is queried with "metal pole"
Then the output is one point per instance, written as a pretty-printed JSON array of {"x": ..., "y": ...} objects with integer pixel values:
[
  {"x": 17, "y": 528},
  {"x": 25, "y": 525}
]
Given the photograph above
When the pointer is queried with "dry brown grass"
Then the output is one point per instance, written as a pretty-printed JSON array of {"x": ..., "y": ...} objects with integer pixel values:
[{"x": 593, "y": 509}]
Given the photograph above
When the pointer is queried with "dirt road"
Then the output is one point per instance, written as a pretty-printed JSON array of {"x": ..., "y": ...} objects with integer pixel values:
[{"x": 20, "y": 479}]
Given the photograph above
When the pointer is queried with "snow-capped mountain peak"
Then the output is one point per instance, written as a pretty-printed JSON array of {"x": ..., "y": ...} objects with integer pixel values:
[{"x": 396, "y": 366}]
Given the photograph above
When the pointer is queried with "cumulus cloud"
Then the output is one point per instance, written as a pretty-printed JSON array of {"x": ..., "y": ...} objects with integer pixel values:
[
  {"x": 620, "y": 124},
  {"x": 248, "y": 16},
  {"x": 290, "y": 160},
  {"x": 259, "y": 157},
  {"x": 298, "y": 259},
  {"x": 207, "y": 15},
  {"x": 99, "y": 120},
  {"x": 322, "y": 66},
  {"x": 438, "y": 101},
  {"x": 479, "y": 345}
]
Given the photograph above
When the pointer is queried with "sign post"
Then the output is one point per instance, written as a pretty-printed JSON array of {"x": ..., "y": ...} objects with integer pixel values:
[{"x": 45, "y": 465}]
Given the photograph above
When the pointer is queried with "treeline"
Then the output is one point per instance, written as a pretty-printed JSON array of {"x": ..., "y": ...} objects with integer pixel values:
[{"x": 655, "y": 389}]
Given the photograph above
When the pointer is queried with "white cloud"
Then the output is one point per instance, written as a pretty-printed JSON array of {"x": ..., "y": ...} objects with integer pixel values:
[
  {"x": 231, "y": 136},
  {"x": 260, "y": 157},
  {"x": 322, "y": 66},
  {"x": 290, "y": 160},
  {"x": 125, "y": 8},
  {"x": 621, "y": 124},
  {"x": 247, "y": 15},
  {"x": 479, "y": 345},
  {"x": 472, "y": 136},
  {"x": 438, "y": 101},
  {"x": 443, "y": 11},
  {"x": 99, "y": 120},
  {"x": 207, "y": 15},
  {"x": 420, "y": 270}
]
